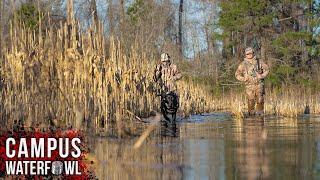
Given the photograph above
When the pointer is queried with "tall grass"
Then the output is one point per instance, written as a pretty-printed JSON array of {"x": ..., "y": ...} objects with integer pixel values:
[
  {"x": 290, "y": 102},
  {"x": 67, "y": 76}
]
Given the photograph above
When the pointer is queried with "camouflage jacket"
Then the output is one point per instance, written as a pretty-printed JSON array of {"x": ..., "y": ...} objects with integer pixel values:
[
  {"x": 166, "y": 74},
  {"x": 248, "y": 69}
]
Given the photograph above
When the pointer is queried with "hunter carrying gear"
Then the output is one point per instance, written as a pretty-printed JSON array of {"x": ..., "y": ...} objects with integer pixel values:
[
  {"x": 166, "y": 74},
  {"x": 252, "y": 72}
]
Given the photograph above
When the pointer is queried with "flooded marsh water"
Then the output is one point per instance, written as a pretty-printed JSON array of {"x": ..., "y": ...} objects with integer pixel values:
[{"x": 216, "y": 146}]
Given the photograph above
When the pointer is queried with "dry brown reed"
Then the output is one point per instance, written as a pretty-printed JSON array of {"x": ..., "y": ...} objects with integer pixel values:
[
  {"x": 71, "y": 76},
  {"x": 290, "y": 102}
]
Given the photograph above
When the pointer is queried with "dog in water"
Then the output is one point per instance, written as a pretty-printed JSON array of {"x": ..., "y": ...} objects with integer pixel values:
[{"x": 169, "y": 106}]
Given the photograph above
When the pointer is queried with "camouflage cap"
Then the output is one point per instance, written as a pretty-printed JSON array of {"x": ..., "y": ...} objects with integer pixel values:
[
  {"x": 249, "y": 50},
  {"x": 165, "y": 57}
]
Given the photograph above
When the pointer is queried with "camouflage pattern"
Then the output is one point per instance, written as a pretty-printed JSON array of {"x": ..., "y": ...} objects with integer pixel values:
[
  {"x": 248, "y": 72},
  {"x": 166, "y": 74}
]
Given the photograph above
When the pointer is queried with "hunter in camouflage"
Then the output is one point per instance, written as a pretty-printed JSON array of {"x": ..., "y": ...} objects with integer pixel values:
[
  {"x": 166, "y": 74},
  {"x": 252, "y": 72}
]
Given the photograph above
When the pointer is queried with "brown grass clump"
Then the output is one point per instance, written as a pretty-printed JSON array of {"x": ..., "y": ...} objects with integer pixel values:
[{"x": 291, "y": 102}]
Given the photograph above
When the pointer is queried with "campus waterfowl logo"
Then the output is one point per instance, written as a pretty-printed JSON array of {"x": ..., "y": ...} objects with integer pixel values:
[{"x": 43, "y": 154}]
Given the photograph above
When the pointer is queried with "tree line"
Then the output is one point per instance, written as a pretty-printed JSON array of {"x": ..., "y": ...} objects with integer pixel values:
[{"x": 206, "y": 38}]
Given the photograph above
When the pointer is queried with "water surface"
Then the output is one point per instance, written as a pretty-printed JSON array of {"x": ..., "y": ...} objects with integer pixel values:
[{"x": 216, "y": 146}]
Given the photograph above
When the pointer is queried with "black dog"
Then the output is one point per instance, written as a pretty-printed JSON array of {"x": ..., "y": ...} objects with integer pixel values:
[{"x": 169, "y": 106}]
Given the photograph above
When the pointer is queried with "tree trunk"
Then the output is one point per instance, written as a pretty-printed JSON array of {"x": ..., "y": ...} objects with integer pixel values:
[
  {"x": 110, "y": 14},
  {"x": 121, "y": 12},
  {"x": 209, "y": 42},
  {"x": 121, "y": 23},
  {"x": 180, "y": 26},
  {"x": 94, "y": 12},
  {"x": 263, "y": 48},
  {"x": 1, "y": 26}
]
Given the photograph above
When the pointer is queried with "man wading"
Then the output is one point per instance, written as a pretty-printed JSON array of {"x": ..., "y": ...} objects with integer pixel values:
[
  {"x": 252, "y": 71},
  {"x": 167, "y": 74}
]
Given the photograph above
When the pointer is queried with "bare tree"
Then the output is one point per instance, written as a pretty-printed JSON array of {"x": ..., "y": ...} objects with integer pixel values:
[
  {"x": 121, "y": 15},
  {"x": 1, "y": 25},
  {"x": 94, "y": 11},
  {"x": 180, "y": 26},
  {"x": 111, "y": 17}
]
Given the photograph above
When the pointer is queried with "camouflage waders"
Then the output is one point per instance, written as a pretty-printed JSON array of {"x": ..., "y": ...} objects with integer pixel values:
[{"x": 254, "y": 94}]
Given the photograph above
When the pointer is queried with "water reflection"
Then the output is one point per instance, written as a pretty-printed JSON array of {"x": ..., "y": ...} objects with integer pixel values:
[
  {"x": 158, "y": 159},
  {"x": 169, "y": 129},
  {"x": 251, "y": 158},
  {"x": 216, "y": 146},
  {"x": 205, "y": 159}
]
